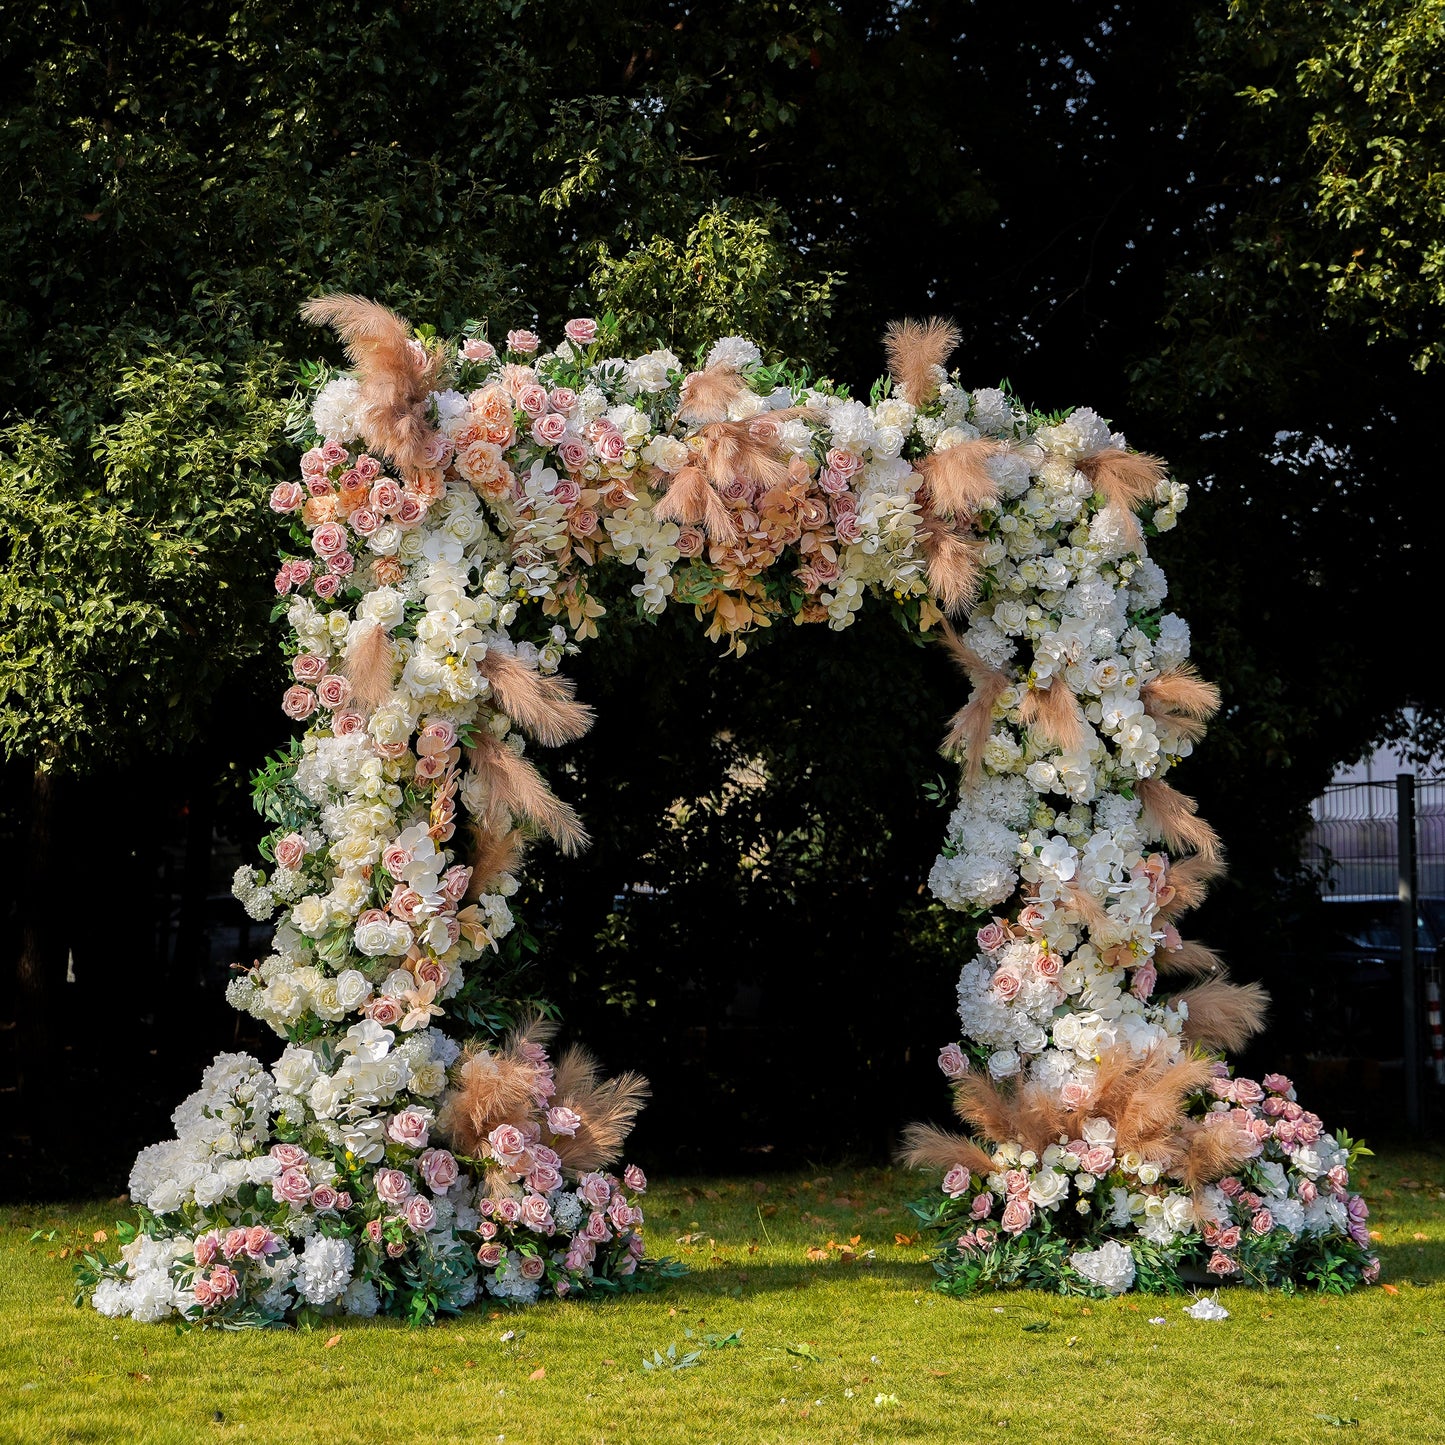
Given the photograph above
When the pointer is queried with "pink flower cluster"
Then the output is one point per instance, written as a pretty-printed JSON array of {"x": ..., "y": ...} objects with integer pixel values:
[{"x": 216, "y": 1284}]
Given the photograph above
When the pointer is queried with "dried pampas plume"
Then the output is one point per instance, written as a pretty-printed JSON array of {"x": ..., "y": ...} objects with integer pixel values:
[
  {"x": 394, "y": 387},
  {"x": 1054, "y": 714},
  {"x": 925, "y": 1146},
  {"x": 515, "y": 786},
  {"x": 971, "y": 724},
  {"x": 1224, "y": 1015},
  {"x": 958, "y": 478},
  {"x": 494, "y": 851},
  {"x": 916, "y": 350},
  {"x": 691, "y": 501},
  {"x": 543, "y": 706},
  {"x": 707, "y": 395},
  {"x": 1190, "y": 879},
  {"x": 954, "y": 564},
  {"x": 368, "y": 666},
  {"x": 1210, "y": 1151},
  {"x": 491, "y": 1087},
  {"x": 1174, "y": 818},
  {"x": 1123, "y": 478},
  {"x": 1181, "y": 699},
  {"x": 1190, "y": 958},
  {"x": 607, "y": 1108}
]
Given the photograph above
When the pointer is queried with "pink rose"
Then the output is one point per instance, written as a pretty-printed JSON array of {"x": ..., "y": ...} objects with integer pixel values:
[
  {"x": 328, "y": 539},
  {"x": 583, "y": 522},
  {"x": 475, "y": 349},
  {"x": 992, "y": 936},
  {"x": 596, "y": 1228},
  {"x": 291, "y": 850},
  {"x": 405, "y": 902},
  {"x": 291, "y": 1186},
  {"x": 1018, "y": 1213},
  {"x": 1246, "y": 1091},
  {"x": 333, "y": 453},
  {"x": 224, "y": 1283},
  {"x": 532, "y": 398},
  {"x": 532, "y": 1266},
  {"x": 635, "y": 1179},
  {"x": 562, "y": 398},
  {"x": 326, "y": 586},
  {"x": 1048, "y": 965},
  {"x": 689, "y": 542},
  {"x": 982, "y": 1205},
  {"x": 420, "y": 1215},
  {"x": 523, "y": 341},
  {"x": 333, "y": 690},
  {"x": 844, "y": 463},
  {"x": 1228, "y": 1238},
  {"x": 562, "y": 1120},
  {"x": 308, "y": 667},
  {"x": 508, "y": 1210},
  {"x": 455, "y": 882},
  {"x": 581, "y": 331},
  {"x": 956, "y": 1181},
  {"x": 365, "y": 521},
  {"x": 952, "y": 1062},
  {"x": 1098, "y": 1160},
  {"x": 544, "y": 1178},
  {"x": 386, "y": 495},
  {"x": 1006, "y": 985},
  {"x": 572, "y": 454},
  {"x": 1230, "y": 1186},
  {"x": 1075, "y": 1094},
  {"x": 610, "y": 445},
  {"x": 298, "y": 703},
  {"x": 1032, "y": 920},
  {"x": 410, "y": 510},
  {"x": 410, "y": 1127},
  {"x": 550, "y": 429},
  {"x": 834, "y": 484},
  {"x": 490, "y": 1254},
  {"x": 289, "y": 1156},
  {"x": 1262, "y": 1222},
  {"x": 260, "y": 1242},
  {"x": 440, "y": 1170},
  {"x": 384, "y": 1010},
  {"x": 392, "y": 1186},
  {"x": 323, "y": 1197},
  {"x": 373, "y": 1230},
  {"x": 287, "y": 496},
  {"x": 312, "y": 463},
  {"x": 1277, "y": 1083},
  {"x": 344, "y": 724},
  {"x": 1145, "y": 977},
  {"x": 368, "y": 468},
  {"x": 1221, "y": 1264},
  {"x": 235, "y": 1243},
  {"x": 537, "y": 1214},
  {"x": 848, "y": 528},
  {"x": 507, "y": 1145},
  {"x": 595, "y": 1190},
  {"x": 1016, "y": 1182},
  {"x": 204, "y": 1249}
]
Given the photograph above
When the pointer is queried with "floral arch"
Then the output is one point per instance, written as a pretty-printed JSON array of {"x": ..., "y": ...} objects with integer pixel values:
[{"x": 456, "y": 500}]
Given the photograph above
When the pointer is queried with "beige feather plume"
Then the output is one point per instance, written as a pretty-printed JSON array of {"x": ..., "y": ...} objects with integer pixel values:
[
  {"x": 607, "y": 1109},
  {"x": 1172, "y": 816},
  {"x": 1224, "y": 1015},
  {"x": 915, "y": 350},
  {"x": 954, "y": 564},
  {"x": 691, "y": 501},
  {"x": 925, "y": 1146},
  {"x": 494, "y": 851},
  {"x": 1211, "y": 1152},
  {"x": 1190, "y": 879},
  {"x": 1093, "y": 913},
  {"x": 1054, "y": 714},
  {"x": 369, "y": 666},
  {"x": 969, "y": 729},
  {"x": 1123, "y": 478},
  {"x": 1154, "y": 1112},
  {"x": 1181, "y": 700},
  {"x": 514, "y": 784},
  {"x": 958, "y": 478},
  {"x": 394, "y": 388},
  {"x": 708, "y": 394},
  {"x": 491, "y": 1087},
  {"x": 1194, "y": 959},
  {"x": 541, "y": 705}
]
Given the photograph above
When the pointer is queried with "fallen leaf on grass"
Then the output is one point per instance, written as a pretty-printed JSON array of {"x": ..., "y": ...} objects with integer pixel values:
[
  {"x": 1416, "y": 1235},
  {"x": 940, "y": 1374},
  {"x": 902, "y": 1239},
  {"x": 805, "y": 1351},
  {"x": 1036, "y": 1328},
  {"x": 332, "y": 1343},
  {"x": 815, "y": 1255},
  {"x": 540, "y": 1373},
  {"x": 141, "y": 1376},
  {"x": 1390, "y": 1288}
]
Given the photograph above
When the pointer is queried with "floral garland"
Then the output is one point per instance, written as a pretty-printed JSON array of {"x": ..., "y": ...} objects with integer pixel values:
[{"x": 455, "y": 509}]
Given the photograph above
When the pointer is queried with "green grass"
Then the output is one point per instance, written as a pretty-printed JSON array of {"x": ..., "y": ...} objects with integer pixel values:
[{"x": 821, "y": 1339}]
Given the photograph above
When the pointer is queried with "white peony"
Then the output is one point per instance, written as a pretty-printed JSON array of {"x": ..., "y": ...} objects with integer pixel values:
[{"x": 1111, "y": 1266}]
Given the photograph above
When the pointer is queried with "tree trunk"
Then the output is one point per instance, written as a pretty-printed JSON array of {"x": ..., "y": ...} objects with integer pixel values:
[{"x": 41, "y": 942}]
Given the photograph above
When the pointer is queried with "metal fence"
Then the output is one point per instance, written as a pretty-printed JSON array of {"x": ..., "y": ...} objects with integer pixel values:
[{"x": 1354, "y": 840}]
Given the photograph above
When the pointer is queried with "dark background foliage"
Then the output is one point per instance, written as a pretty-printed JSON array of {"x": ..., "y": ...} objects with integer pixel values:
[{"x": 1133, "y": 206}]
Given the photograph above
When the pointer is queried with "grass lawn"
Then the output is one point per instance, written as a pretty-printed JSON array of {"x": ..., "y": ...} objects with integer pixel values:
[{"x": 838, "y": 1338}]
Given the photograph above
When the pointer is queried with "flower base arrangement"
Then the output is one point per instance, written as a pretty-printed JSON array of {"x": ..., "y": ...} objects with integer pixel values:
[{"x": 468, "y": 514}]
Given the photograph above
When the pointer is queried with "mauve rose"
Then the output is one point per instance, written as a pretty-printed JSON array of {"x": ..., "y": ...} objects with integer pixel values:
[
  {"x": 508, "y": 1210},
  {"x": 826, "y": 570},
  {"x": 385, "y": 1011},
  {"x": 283, "y": 581},
  {"x": 523, "y": 341},
  {"x": 326, "y": 586},
  {"x": 287, "y": 496},
  {"x": 1016, "y": 1181},
  {"x": 537, "y": 1214},
  {"x": 291, "y": 850},
  {"x": 486, "y": 1229},
  {"x": 567, "y": 493},
  {"x": 581, "y": 331},
  {"x": 289, "y": 1156},
  {"x": 737, "y": 489},
  {"x": 544, "y": 1178},
  {"x": 1231, "y": 1186},
  {"x": 489, "y": 1255},
  {"x": 395, "y": 1251},
  {"x": 386, "y": 495},
  {"x": 952, "y": 1062},
  {"x": 596, "y": 1228},
  {"x": 328, "y": 539},
  {"x": 420, "y": 1214},
  {"x": 982, "y": 1205},
  {"x": 1228, "y": 1238},
  {"x": 333, "y": 690},
  {"x": 455, "y": 881},
  {"x": 956, "y": 1181},
  {"x": 507, "y": 1145},
  {"x": 1339, "y": 1177},
  {"x": 813, "y": 513},
  {"x": 1017, "y": 1215},
  {"x": 1221, "y": 1264},
  {"x": 1006, "y": 985},
  {"x": 992, "y": 936},
  {"x": 848, "y": 528},
  {"x": 635, "y": 1179},
  {"x": 368, "y": 468},
  {"x": 333, "y": 454},
  {"x": 548, "y": 430},
  {"x": 475, "y": 349},
  {"x": 562, "y": 1120},
  {"x": 572, "y": 454},
  {"x": 298, "y": 703},
  {"x": 343, "y": 1201},
  {"x": 410, "y": 1127},
  {"x": 532, "y": 1266},
  {"x": 323, "y": 1197},
  {"x": 291, "y": 1186},
  {"x": 319, "y": 487},
  {"x": 392, "y": 1186},
  {"x": 1277, "y": 1083},
  {"x": 409, "y": 510},
  {"x": 373, "y": 1230},
  {"x": 1246, "y": 1091},
  {"x": 308, "y": 666},
  {"x": 689, "y": 542},
  {"x": 440, "y": 1170},
  {"x": 610, "y": 445},
  {"x": 831, "y": 482},
  {"x": 583, "y": 522},
  {"x": 1262, "y": 1222},
  {"x": 365, "y": 521},
  {"x": 595, "y": 1190},
  {"x": 1145, "y": 977},
  {"x": 204, "y": 1249}
]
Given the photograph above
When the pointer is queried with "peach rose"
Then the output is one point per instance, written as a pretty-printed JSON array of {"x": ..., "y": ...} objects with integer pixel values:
[
  {"x": 298, "y": 703},
  {"x": 287, "y": 497},
  {"x": 1006, "y": 985},
  {"x": 308, "y": 667},
  {"x": 291, "y": 850},
  {"x": 475, "y": 349},
  {"x": 524, "y": 341},
  {"x": 1018, "y": 1214},
  {"x": 333, "y": 690},
  {"x": 583, "y": 522}
]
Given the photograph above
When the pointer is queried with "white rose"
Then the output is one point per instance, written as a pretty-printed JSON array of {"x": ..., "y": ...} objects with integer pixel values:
[
  {"x": 352, "y": 989},
  {"x": 384, "y": 606},
  {"x": 385, "y": 540},
  {"x": 295, "y": 1070},
  {"x": 1010, "y": 616},
  {"x": 209, "y": 1189},
  {"x": 311, "y": 916},
  {"x": 374, "y": 939},
  {"x": 327, "y": 1097},
  {"x": 1048, "y": 1187},
  {"x": 668, "y": 454}
]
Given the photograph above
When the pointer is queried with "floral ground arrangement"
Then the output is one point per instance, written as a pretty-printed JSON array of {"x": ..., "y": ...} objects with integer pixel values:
[
  {"x": 468, "y": 512},
  {"x": 808, "y": 1321}
]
